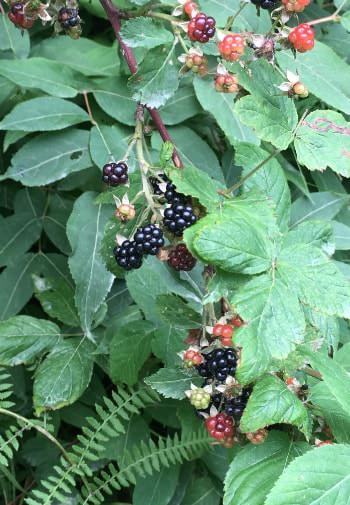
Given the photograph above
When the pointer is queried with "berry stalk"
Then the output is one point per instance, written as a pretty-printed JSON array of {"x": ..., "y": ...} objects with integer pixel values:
[{"x": 114, "y": 16}]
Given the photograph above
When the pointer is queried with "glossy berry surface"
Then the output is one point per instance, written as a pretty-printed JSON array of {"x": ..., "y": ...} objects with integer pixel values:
[
  {"x": 218, "y": 364},
  {"x": 180, "y": 258},
  {"x": 232, "y": 47},
  {"x": 201, "y": 28},
  {"x": 220, "y": 426},
  {"x": 68, "y": 18},
  {"x": 295, "y": 5},
  {"x": 192, "y": 358},
  {"x": 115, "y": 174},
  {"x": 302, "y": 38},
  {"x": 171, "y": 195},
  {"x": 235, "y": 406},
  {"x": 265, "y": 4},
  {"x": 237, "y": 321},
  {"x": 178, "y": 217},
  {"x": 127, "y": 256},
  {"x": 226, "y": 83},
  {"x": 200, "y": 399},
  {"x": 149, "y": 239},
  {"x": 190, "y": 8},
  {"x": 156, "y": 181}
]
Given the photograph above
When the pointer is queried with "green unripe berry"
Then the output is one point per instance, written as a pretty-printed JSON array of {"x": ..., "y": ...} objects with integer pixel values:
[{"x": 200, "y": 399}]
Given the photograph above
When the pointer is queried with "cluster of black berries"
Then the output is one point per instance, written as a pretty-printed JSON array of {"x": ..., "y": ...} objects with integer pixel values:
[
  {"x": 68, "y": 17},
  {"x": 179, "y": 215},
  {"x": 115, "y": 174},
  {"x": 218, "y": 364},
  {"x": 147, "y": 240},
  {"x": 265, "y": 4}
]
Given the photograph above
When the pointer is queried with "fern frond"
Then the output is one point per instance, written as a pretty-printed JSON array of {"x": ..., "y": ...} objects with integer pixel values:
[
  {"x": 5, "y": 389},
  {"x": 145, "y": 460},
  {"x": 9, "y": 443},
  {"x": 124, "y": 404}
]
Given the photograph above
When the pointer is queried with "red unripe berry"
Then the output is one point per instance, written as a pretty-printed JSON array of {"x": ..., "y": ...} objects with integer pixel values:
[
  {"x": 226, "y": 342},
  {"x": 217, "y": 330},
  {"x": 201, "y": 28},
  {"x": 237, "y": 321},
  {"x": 232, "y": 47},
  {"x": 227, "y": 331},
  {"x": 192, "y": 358},
  {"x": 220, "y": 427},
  {"x": 295, "y": 5},
  {"x": 226, "y": 83},
  {"x": 190, "y": 8},
  {"x": 302, "y": 38}
]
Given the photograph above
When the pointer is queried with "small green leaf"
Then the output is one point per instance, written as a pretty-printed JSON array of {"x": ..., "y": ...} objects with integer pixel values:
[
  {"x": 43, "y": 114},
  {"x": 168, "y": 340},
  {"x": 64, "y": 375},
  {"x": 23, "y": 338},
  {"x": 273, "y": 403},
  {"x": 172, "y": 382},
  {"x": 145, "y": 32},
  {"x": 129, "y": 349},
  {"x": 174, "y": 310},
  {"x": 321, "y": 476},
  {"x": 196, "y": 183},
  {"x": 115, "y": 98}
]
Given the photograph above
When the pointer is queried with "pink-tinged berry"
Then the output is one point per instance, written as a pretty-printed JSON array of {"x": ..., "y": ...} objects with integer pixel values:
[
  {"x": 201, "y": 28},
  {"x": 217, "y": 330},
  {"x": 227, "y": 331},
  {"x": 295, "y": 5},
  {"x": 257, "y": 437},
  {"x": 198, "y": 64},
  {"x": 321, "y": 443},
  {"x": 190, "y": 8},
  {"x": 302, "y": 38},
  {"x": 226, "y": 83},
  {"x": 237, "y": 321},
  {"x": 232, "y": 47},
  {"x": 220, "y": 427},
  {"x": 192, "y": 358}
]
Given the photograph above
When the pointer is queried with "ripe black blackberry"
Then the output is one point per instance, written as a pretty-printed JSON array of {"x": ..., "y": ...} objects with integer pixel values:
[
  {"x": 218, "y": 364},
  {"x": 178, "y": 217},
  {"x": 180, "y": 258},
  {"x": 171, "y": 195},
  {"x": 265, "y": 4},
  {"x": 68, "y": 17},
  {"x": 115, "y": 174},
  {"x": 235, "y": 406},
  {"x": 127, "y": 255},
  {"x": 149, "y": 239}
]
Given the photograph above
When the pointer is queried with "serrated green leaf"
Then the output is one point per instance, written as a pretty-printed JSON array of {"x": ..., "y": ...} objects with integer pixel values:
[
  {"x": 40, "y": 73},
  {"x": 50, "y": 157},
  {"x": 64, "y": 375},
  {"x": 196, "y": 183},
  {"x": 269, "y": 179},
  {"x": 23, "y": 338},
  {"x": 158, "y": 85},
  {"x": 274, "y": 324},
  {"x": 324, "y": 73},
  {"x": 145, "y": 32},
  {"x": 313, "y": 233},
  {"x": 174, "y": 310},
  {"x": 172, "y": 382},
  {"x": 321, "y": 476},
  {"x": 168, "y": 340},
  {"x": 261, "y": 465},
  {"x": 57, "y": 299},
  {"x": 85, "y": 229},
  {"x": 271, "y": 402},
  {"x": 221, "y": 105},
  {"x": 322, "y": 141},
  {"x": 324, "y": 205},
  {"x": 130, "y": 347},
  {"x": 238, "y": 237}
]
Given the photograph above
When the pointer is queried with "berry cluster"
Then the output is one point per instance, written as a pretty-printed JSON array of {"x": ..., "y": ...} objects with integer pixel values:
[
  {"x": 227, "y": 83},
  {"x": 147, "y": 240},
  {"x": 201, "y": 28},
  {"x": 232, "y": 47},
  {"x": 178, "y": 217},
  {"x": 68, "y": 18},
  {"x": 221, "y": 427},
  {"x": 295, "y": 5},
  {"x": 218, "y": 364},
  {"x": 18, "y": 17},
  {"x": 115, "y": 174},
  {"x": 302, "y": 38},
  {"x": 197, "y": 63},
  {"x": 180, "y": 258}
]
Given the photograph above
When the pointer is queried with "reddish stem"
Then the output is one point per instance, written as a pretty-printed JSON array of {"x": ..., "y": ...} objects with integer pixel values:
[{"x": 114, "y": 15}]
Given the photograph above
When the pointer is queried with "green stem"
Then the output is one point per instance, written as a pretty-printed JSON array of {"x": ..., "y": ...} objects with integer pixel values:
[
  {"x": 231, "y": 19},
  {"x": 162, "y": 15}
]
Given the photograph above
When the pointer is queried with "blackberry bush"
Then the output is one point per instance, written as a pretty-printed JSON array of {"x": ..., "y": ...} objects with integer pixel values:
[{"x": 193, "y": 297}]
